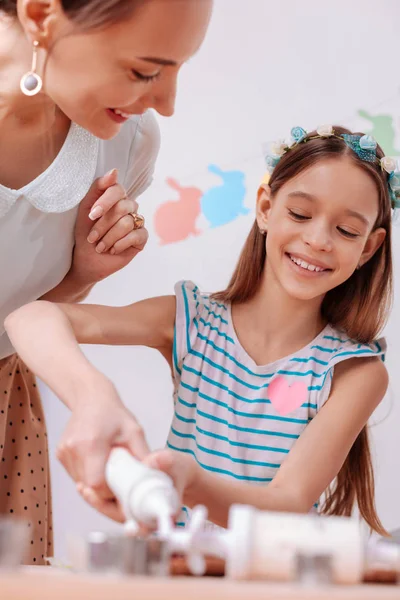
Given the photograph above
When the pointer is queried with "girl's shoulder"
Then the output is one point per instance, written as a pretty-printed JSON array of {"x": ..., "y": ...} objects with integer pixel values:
[
  {"x": 197, "y": 315},
  {"x": 195, "y": 308},
  {"x": 336, "y": 346},
  {"x": 194, "y": 299}
]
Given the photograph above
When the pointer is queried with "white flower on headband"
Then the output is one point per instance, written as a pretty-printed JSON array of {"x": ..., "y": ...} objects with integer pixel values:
[
  {"x": 389, "y": 164},
  {"x": 278, "y": 148},
  {"x": 325, "y": 130}
]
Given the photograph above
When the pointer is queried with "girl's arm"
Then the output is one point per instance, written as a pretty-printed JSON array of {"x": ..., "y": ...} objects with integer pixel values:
[
  {"x": 47, "y": 338},
  {"x": 315, "y": 460}
]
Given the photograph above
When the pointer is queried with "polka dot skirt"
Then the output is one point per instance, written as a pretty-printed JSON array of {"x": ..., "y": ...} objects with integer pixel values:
[{"x": 24, "y": 464}]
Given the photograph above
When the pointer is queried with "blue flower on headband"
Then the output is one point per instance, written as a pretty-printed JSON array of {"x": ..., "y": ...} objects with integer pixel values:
[
  {"x": 297, "y": 134},
  {"x": 367, "y": 151},
  {"x": 394, "y": 181},
  {"x": 271, "y": 161},
  {"x": 390, "y": 166},
  {"x": 367, "y": 142},
  {"x": 395, "y": 199},
  {"x": 394, "y": 187}
]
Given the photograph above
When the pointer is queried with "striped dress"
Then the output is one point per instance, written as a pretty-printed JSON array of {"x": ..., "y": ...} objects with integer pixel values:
[{"x": 236, "y": 418}]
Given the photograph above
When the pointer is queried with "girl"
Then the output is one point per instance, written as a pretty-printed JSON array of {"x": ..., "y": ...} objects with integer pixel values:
[
  {"x": 275, "y": 377},
  {"x": 76, "y": 80}
]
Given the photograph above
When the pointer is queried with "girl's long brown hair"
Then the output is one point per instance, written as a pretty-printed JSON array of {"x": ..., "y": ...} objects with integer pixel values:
[{"x": 359, "y": 306}]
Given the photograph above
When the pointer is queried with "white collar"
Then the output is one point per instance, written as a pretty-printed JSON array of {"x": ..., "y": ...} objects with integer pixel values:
[{"x": 65, "y": 182}]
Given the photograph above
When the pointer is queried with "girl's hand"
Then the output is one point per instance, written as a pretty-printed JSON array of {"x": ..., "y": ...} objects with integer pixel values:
[
  {"x": 179, "y": 466},
  {"x": 106, "y": 239}
]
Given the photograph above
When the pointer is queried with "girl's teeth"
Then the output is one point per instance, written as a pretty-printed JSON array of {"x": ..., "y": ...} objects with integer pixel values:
[{"x": 304, "y": 265}]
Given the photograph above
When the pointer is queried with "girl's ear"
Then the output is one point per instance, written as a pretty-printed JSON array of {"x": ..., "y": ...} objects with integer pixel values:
[
  {"x": 374, "y": 242},
  {"x": 263, "y": 207}
]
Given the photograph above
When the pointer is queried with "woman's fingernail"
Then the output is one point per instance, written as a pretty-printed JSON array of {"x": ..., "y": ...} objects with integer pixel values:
[
  {"x": 92, "y": 237},
  {"x": 112, "y": 251},
  {"x": 109, "y": 172},
  {"x": 100, "y": 247},
  {"x": 95, "y": 213}
]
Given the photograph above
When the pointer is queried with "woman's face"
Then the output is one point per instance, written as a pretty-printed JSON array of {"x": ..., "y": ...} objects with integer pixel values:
[{"x": 94, "y": 76}]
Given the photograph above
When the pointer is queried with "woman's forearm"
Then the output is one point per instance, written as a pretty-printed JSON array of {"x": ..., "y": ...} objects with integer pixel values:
[{"x": 44, "y": 338}]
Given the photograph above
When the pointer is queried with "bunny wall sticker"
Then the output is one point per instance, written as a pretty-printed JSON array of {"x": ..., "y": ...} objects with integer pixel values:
[
  {"x": 223, "y": 203},
  {"x": 176, "y": 220},
  {"x": 383, "y": 130}
]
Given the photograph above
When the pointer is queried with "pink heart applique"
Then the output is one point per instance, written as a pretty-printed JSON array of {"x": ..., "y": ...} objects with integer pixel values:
[{"x": 284, "y": 397}]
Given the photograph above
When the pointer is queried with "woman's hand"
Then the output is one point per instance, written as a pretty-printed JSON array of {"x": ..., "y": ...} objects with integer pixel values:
[
  {"x": 95, "y": 427},
  {"x": 106, "y": 239}
]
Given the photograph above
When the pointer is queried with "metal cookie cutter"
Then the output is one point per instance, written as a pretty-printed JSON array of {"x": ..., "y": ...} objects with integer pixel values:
[
  {"x": 314, "y": 569},
  {"x": 121, "y": 554},
  {"x": 13, "y": 542}
]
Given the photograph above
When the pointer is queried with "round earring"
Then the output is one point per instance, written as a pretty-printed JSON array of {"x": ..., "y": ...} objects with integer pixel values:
[
  {"x": 31, "y": 83},
  {"x": 262, "y": 231}
]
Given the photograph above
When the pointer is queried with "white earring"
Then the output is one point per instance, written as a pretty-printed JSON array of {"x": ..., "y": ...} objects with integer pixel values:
[
  {"x": 262, "y": 231},
  {"x": 31, "y": 83}
]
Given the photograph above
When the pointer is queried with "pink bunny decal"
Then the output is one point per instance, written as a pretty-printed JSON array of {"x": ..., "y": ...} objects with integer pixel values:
[{"x": 175, "y": 220}]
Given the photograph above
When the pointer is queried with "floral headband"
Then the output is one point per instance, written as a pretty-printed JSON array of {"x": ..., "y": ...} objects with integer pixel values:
[{"x": 363, "y": 145}]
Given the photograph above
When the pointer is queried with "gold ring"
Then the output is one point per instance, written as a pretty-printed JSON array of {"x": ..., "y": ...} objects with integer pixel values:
[{"x": 138, "y": 220}]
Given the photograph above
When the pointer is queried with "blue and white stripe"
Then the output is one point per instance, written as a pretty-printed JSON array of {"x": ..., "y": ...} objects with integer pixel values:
[{"x": 223, "y": 416}]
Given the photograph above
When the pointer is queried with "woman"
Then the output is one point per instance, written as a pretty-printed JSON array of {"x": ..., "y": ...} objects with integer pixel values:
[{"x": 76, "y": 148}]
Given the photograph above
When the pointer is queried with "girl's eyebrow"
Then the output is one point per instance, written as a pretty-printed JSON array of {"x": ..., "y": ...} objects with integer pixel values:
[
  {"x": 357, "y": 215},
  {"x": 312, "y": 198},
  {"x": 304, "y": 195}
]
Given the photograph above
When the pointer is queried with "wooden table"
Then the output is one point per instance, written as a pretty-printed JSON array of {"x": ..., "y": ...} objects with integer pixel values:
[{"x": 49, "y": 584}]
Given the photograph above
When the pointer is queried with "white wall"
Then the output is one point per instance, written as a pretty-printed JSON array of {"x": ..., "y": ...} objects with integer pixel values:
[{"x": 265, "y": 66}]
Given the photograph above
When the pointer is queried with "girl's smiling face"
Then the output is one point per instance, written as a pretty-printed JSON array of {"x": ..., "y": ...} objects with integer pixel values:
[{"x": 320, "y": 227}]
